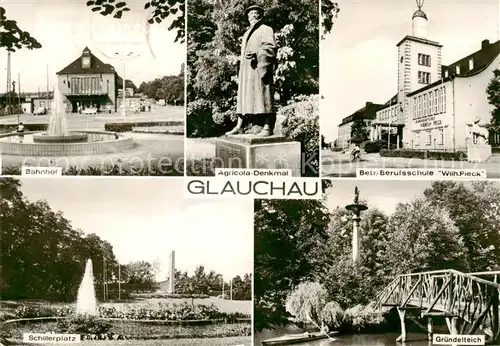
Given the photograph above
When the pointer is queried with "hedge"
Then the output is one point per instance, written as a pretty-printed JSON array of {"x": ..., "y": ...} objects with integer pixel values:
[
  {"x": 425, "y": 154},
  {"x": 27, "y": 127},
  {"x": 127, "y": 127}
]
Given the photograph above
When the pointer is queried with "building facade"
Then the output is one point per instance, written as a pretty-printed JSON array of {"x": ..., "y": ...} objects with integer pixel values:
[
  {"x": 90, "y": 83},
  {"x": 367, "y": 113},
  {"x": 436, "y": 105}
]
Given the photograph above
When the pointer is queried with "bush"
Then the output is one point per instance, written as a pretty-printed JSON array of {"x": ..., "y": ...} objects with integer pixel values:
[
  {"x": 374, "y": 146},
  {"x": 128, "y": 127},
  {"x": 301, "y": 123},
  {"x": 332, "y": 315},
  {"x": 83, "y": 325},
  {"x": 363, "y": 318},
  {"x": 425, "y": 154},
  {"x": 205, "y": 119}
]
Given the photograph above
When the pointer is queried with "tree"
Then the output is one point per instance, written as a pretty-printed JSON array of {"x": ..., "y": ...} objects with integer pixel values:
[
  {"x": 307, "y": 301},
  {"x": 287, "y": 236},
  {"x": 159, "y": 9},
  {"x": 359, "y": 132},
  {"x": 138, "y": 272},
  {"x": 350, "y": 284},
  {"x": 43, "y": 257},
  {"x": 215, "y": 30},
  {"x": 12, "y": 37},
  {"x": 475, "y": 211},
  {"x": 423, "y": 237},
  {"x": 493, "y": 94}
]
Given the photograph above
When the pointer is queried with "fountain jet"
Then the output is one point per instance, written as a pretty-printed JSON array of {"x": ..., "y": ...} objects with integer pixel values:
[
  {"x": 57, "y": 122},
  {"x": 86, "y": 302}
]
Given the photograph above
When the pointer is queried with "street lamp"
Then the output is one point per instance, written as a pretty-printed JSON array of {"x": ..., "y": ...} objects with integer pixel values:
[{"x": 124, "y": 57}]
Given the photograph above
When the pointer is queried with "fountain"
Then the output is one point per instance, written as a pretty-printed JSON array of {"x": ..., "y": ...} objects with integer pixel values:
[
  {"x": 58, "y": 128},
  {"x": 86, "y": 302},
  {"x": 356, "y": 209},
  {"x": 59, "y": 141}
]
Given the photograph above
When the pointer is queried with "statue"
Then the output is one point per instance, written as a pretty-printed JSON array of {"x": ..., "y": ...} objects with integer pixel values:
[
  {"x": 356, "y": 195},
  {"x": 479, "y": 134},
  {"x": 255, "y": 80}
]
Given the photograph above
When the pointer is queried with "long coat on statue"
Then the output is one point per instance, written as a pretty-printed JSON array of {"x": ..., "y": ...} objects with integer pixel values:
[{"x": 255, "y": 82}]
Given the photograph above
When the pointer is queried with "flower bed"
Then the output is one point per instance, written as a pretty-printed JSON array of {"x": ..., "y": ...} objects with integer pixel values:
[
  {"x": 160, "y": 312},
  {"x": 112, "y": 170}
]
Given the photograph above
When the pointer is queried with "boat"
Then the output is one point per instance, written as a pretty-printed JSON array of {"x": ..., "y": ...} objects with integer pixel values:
[{"x": 289, "y": 339}]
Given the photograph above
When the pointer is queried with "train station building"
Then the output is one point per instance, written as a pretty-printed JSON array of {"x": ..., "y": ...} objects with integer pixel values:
[{"x": 90, "y": 82}]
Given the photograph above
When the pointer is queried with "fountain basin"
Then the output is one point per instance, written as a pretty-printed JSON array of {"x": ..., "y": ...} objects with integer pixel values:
[
  {"x": 97, "y": 142},
  {"x": 72, "y": 137},
  {"x": 356, "y": 207}
]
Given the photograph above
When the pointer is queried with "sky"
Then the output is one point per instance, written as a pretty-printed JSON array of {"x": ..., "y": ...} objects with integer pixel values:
[
  {"x": 145, "y": 219},
  {"x": 383, "y": 194},
  {"x": 361, "y": 52},
  {"x": 65, "y": 27}
]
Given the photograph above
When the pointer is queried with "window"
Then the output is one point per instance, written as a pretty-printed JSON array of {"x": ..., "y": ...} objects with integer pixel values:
[
  {"x": 444, "y": 99},
  {"x": 419, "y": 106},
  {"x": 414, "y": 108},
  {"x": 424, "y": 77},
  {"x": 445, "y": 73},
  {"x": 430, "y": 103},
  {"x": 424, "y": 113},
  {"x": 417, "y": 138},
  {"x": 441, "y": 136},
  {"x": 435, "y": 111},
  {"x": 428, "y": 139},
  {"x": 457, "y": 68},
  {"x": 424, "y": 59},
  {"x": 471, "y": 64}
]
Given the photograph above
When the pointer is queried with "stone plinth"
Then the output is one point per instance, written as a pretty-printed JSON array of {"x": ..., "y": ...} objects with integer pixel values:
[
  {"x": 249, "y": 151},
  {"x": 72, "y": 137},
  {"x": 478, "y": 152}
]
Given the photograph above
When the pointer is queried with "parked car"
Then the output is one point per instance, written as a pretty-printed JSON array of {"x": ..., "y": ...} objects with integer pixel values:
[
  {"x": 90, "y": 110},
  {"x": 40, "y": 111}
]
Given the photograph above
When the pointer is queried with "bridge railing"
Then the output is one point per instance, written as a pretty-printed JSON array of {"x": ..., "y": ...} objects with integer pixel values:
[{"x": 473, "y": 299}]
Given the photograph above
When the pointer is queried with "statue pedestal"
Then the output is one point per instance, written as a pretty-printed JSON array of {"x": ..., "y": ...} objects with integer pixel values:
[
  {"x": 249, "y": 151},
  {"x": 478, "y": 152}
]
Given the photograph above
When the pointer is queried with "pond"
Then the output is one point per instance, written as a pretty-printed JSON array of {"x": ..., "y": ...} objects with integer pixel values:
[{"x": 415, "y": 339}]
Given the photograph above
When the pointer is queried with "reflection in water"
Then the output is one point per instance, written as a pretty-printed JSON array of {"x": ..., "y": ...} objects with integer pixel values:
[{"x": 414, "y": 339}]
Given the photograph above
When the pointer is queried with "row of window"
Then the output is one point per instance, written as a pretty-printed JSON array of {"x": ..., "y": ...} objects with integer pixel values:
[
  {"x": 424, "y": 59},
  {"x": 429, "y": 139},
  {"x": 85, "y": 85},
  {"x": 430, "y": 103},
  {"x": 389, "y": 112}
]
